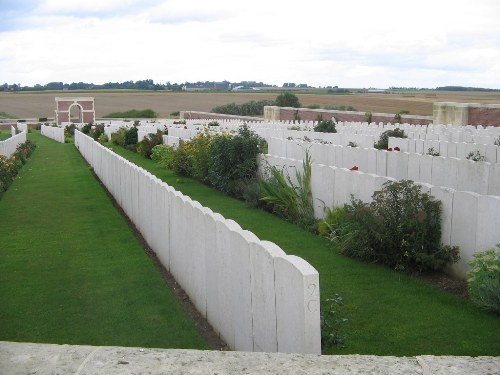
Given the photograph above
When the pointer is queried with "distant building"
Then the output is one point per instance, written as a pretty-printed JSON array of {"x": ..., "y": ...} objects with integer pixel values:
[{"x": 376, "y": 91}]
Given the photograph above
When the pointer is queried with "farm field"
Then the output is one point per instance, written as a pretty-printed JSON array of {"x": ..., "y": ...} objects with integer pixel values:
[{"x": 41, "y": 104}]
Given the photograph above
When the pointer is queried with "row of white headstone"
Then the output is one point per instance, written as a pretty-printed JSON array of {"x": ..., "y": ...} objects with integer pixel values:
[
  {"x": 9, "y": 146},
  {"x": 253, "y": 294},
  {"x": 53, "y": 132}
]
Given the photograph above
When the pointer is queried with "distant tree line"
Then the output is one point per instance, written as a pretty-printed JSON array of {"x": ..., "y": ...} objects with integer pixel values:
[{"x": 463, "y": 88}]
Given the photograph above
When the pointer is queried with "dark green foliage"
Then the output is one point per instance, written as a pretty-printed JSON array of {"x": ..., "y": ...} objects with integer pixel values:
[
  {"x": 69, "y": 131},
  {"x": 162, "y": 154},
  {"x": 383, "y": 141},
  {"x": 325, "y": 126},
  {"x": 233, "y": 160},
  {"x": 332, "y": 334},
  {"x": 287, "y": 99},
  {"x": 134, "y": 113},
  {"x": 96, "y": 132},
  {"x": 252, "y": 108},
  {"x": 181, "y": 159},
  {"x": 86, "y": 128},
  {"x": 131, "y": 136},
  {"x": 368, "y": 117},
  {"x": 145, "y": 147},
  {"x": 401, "y": 228}
]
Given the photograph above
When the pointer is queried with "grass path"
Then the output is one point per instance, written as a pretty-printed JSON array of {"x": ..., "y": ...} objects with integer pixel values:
[
  {"x": 71, "y": 271},
  {"x": 389, "y": 313}
]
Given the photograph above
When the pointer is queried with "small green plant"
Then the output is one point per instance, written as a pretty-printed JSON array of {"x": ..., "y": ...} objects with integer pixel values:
[
  {"x": 86, "y": 128},
  {"x": 383, "y": 142},
  {"x": 332, "y": 323},
  {"x": 145, "y": 147},
  {"x": 497, "y": 141},
  {"x": 294, "y": 127},
  {"x": 475, "y": 156},
  {"x": 368, "y": 117},
  {"x": 131, "y": 136},
  {"x": 432, "y": 151},
  {"x": 103, "y": 138},
  {"x": 484, "y": 279},
  {"x": 325, "y": 126},
  {"x": 352, "y": 144},
  {"x": 213, "y": 123},
  {"x": 96, "y": 132}
]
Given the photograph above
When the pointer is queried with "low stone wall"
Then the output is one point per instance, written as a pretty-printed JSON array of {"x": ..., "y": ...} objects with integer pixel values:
[
  {"x": 466, "y": 113},
  {"x": 191, "y": 115},
  {"x": 27, "y": 358},
  {"x": 255, "y": 296},
  {"x": 274, "y": 113}
]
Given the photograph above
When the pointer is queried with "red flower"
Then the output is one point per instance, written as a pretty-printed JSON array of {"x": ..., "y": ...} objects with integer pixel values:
[
  {"x": 355, "y": 168},
  {"x": 389, "y": 149},
  {"x": 185, "y": 127},
  {"x": 397, "y": 149}
]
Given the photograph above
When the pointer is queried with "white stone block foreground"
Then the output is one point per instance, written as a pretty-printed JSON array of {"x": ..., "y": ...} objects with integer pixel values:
[
  {"x": 27, "y": 358},
  {"x": 255, "y": 296}
]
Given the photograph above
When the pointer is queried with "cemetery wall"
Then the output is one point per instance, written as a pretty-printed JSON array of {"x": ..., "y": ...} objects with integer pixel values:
[
  {"x": 8, "y": 147},
  {"x": 470, "y": 220},
  {"x": 190, "y": 115},
  {"x": 57, "y": 134},
  {"x": 255, "y": 296},
  {"x": 274, "y": 113},
  {"x": 466, "y": 114}
]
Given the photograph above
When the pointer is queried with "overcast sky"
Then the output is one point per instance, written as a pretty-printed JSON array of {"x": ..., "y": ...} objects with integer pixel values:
[{"x": 353, "y": 43}]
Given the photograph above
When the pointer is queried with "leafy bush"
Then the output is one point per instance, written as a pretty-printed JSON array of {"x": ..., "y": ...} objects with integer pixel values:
[
  {"x": 287, "y": 99},
  {"x": 331, "y": 323},
  {"x": 103, "y": 138},
  {"x": 475, "y": 156},
  {"x": 383, "y": 141},
  {"x": 131, "y": 136},
  {"x": 181, "y": 159},
  {"x": 96, "y": 132},
  {"x": 145, "y": 147},
  {"x": 484, "y": 279},
  {"x": 118, "y": 137},
  {"x": 69, "y": 131},
  {"x": 325, "y": 126},
  {"x": 368, "y": 117},
  {"x": 163, "y": 154},
  {"x": 233, "y": 160},
  {"x": 352, "y": 144},
  {"x": 86, "y": 128},
  {"x": 201, "y": 147},
  {"x": 401, "y": 228},
  {"x": 213, "y": 123},
  {"x": 291, "y": 202}
]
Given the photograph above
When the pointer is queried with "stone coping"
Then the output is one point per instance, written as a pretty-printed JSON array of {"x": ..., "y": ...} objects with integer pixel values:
[{"x": 29, "y": 358}]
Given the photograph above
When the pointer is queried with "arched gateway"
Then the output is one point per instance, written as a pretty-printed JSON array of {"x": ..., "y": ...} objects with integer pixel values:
[{"x": 82, "y": 107}]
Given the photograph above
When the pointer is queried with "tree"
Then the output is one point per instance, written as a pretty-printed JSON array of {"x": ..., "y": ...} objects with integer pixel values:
[{"x": 287, "y": 99}]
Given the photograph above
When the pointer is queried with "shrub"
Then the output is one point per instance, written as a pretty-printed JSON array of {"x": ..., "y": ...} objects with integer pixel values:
[
  {"x": 175, "y": 114},
  {"x": 118, "y": 137},
  {"x": 484, "y": 280},
  {"x": 163, "y": 154},
  {"x": 213, "y": 123},
  {"x": 69, "y": 131},
  {"x": 252, "y": 108},
  {"x": 475, "y": 156},
  {"x": 291, "y": 202},
  {"x": 401, "y": 228},
  {"x": 96, "y": 132},
  {"x": 145, "y": 147},
  {"x": 103, "y": 138},
  {"x": 325, "y": 126},
  {"x": 134, "y": 113},
  {"x": 497, "y": 141},
  {"x": 201, "y": 156},
  {"x": 233, "y": 159},
  {"x": 181, "y": 159},
  {"x": 352, "y": 144},
  {"x": 287, "y": 99},
  {"x": 368, "y": 117},
  {"x": 86, "y": 128},
  {"x": 131, "y": 136},
  {"x": 383, "y": 141}
]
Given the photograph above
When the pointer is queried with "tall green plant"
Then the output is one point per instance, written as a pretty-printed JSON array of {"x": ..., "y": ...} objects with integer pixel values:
[
  {"x": 289, "y": 201},
  {"x": 484, "y": 279}
]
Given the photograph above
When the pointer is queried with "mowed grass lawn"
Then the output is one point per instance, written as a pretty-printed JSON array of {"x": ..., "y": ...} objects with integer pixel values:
[
  {"x": 388, "y": 313},
  {"x": 71, "y": 271},
  {"x": 4, "y": 134}
]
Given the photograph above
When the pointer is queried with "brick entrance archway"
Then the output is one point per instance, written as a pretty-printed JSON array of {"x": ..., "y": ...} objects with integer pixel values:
[{"x": 64, "y": 105}]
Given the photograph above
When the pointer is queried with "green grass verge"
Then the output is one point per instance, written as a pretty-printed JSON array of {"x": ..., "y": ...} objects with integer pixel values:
[
  {"x": 4, "y": 134},
  {"x": 71, "y": 271},
  {"x": 389, "y": 313},
  {"x": 134, "y": 113}
]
